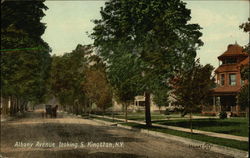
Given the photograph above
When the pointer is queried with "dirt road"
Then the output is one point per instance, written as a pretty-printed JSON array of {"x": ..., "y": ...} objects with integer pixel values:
[{"x": 69, "y": 137}]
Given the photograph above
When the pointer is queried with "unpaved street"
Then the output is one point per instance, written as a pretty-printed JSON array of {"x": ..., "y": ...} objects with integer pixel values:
[{"x": 68, "y": 137}]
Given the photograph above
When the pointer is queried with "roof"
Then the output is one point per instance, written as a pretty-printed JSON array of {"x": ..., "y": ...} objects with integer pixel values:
[
  {"x": 244, "y": 62},
  {"x": 227, "y": 68},
  {"x": 226, "y": 89},
  {"x": 233, "y": 50}
]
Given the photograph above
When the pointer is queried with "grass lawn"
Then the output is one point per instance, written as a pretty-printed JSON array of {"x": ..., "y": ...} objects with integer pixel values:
[
  {"x": 141, "y": 116},
  {"x": 220, "y": 141},
  {"x": 234, "y": 126},
  {"x": 106, "y": 119}
]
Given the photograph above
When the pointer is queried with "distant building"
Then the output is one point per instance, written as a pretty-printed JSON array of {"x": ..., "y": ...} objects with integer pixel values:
[{"x": 228, "y": 80}]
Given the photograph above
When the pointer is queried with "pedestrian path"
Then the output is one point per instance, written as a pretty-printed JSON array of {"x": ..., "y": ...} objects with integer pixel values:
[{"x": 212, "y": 134}]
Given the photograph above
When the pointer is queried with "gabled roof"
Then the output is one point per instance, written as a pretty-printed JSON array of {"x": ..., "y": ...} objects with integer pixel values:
[
  {"x": 233, "y": 50},
  {"x": 227, "y": 68},
  {"x": 244, "y": 62}
]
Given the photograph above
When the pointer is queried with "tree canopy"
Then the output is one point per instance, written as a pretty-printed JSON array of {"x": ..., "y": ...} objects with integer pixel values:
[
  {"x": 24, "y": 71},
  {"x": 67, "y": 74},
  {"x": 156, "y": 34},
  {"x": 191, "y": 87}
]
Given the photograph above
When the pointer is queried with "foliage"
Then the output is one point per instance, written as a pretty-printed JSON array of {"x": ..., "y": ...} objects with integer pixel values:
[
  {"x": 166, "y": 112},
  {"x": 244, "y": 72},
  {"x": 245, "y": 69},
  {"x": 96, "y": 85},
  {"x": 154, "y": 35},
  {"x": 243, "y": 97},
  {"x": 124, "y": 76},
  {"x": 161, "y": 96},
  {"x": 191, "y": 87},
  {"x": 246, "y": 28},
  {"x": 24, "y": 72},
  {"x": 67, "y": 75}
]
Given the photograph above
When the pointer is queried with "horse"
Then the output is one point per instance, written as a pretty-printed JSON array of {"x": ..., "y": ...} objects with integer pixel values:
[{"x": 52, "y": 111}]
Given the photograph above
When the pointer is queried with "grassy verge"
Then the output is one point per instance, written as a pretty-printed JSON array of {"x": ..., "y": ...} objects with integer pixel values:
[
  {"x": 233, "y": 126},
  {"x": 220, "y": 141},
  {"x": 106, "y": 119},
  {"x": 141, "y": 117}
]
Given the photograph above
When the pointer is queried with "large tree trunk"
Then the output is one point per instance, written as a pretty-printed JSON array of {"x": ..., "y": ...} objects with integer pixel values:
[
  {"x": 5, "y": 108},
  {"x": 191, "y": 123},
  {"x": 89, "y": 108},
  {"x": 22, "y": 105},
  {"x": 126, "y": 112},
  {"x": 26, "y": 105},
  {"x": 12, "y": 108},
  {"x": 13, "y": 102},
  {"x": 147, "y": 109},
  {"x": 103, "y": 111}
]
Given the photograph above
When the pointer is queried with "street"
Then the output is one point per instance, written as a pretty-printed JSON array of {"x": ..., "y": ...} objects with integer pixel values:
[{"x": 68, "y": 136}]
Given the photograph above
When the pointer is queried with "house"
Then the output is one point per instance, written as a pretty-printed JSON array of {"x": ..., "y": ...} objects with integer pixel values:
[{"x": 228, "y": 81}]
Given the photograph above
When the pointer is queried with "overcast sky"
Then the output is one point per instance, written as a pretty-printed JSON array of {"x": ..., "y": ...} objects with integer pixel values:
[{"x": 68, "y": 21}]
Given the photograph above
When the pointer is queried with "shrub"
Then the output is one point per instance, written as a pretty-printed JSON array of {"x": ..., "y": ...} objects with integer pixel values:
[
  {"x": 223, "y": 115},
  {"x": 167, "y": 112},
  {"x": 184, "y": 113},
  {"x": 243, "y": 97}
]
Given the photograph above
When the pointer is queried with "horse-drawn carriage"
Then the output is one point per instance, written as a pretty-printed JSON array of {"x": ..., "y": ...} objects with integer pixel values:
[{"x": 51, "y": 110}]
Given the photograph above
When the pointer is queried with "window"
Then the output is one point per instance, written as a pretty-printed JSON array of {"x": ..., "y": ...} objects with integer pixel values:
[
  {"x": 232, "y": 79},
  {"x": 229, "y": 61},
  {"x": 222, "y": 79}
]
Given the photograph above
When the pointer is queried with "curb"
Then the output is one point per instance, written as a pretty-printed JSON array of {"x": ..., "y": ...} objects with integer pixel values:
[
  {"x": 206, "y": 133},
  {"x": 189, "y": 142},
  {"x": 7, "y": 119},
  {"x": 10, "y": 118},
  {"x": 105, "y": 122}
]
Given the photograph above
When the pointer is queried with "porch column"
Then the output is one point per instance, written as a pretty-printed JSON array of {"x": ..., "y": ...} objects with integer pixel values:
[
  {"x": 214, "y": 102},
  {"x": 237, "y": 109}
]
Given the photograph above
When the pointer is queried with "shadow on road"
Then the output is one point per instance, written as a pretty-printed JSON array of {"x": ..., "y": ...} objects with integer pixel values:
[{"x": 72, "y": 154}]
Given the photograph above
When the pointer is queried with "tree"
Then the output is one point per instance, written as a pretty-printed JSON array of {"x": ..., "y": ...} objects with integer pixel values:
[
  {"x": 245, "y": 69},
  {"x": 66, "y": 77},
  {"x": 24, "y": 72},
  {"x": 156, "y": 33},
  {"x": 243, "y": 97},
  {"x": 191, "y": 87},
  {"x": 97, "y": 88},
  {"x": 246, "y": 26},
  {"x": 161, "y": 97},
  {"x": 124, "y": 76}
]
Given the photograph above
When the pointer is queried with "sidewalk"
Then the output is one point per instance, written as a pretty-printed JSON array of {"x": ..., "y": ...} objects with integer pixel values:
[{"x": 212, "y": 134}]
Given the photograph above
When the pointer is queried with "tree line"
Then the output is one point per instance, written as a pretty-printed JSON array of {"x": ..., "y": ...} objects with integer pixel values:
[
  {"x": 24, "y": 72},
  {"x": 140, "y": 48}
]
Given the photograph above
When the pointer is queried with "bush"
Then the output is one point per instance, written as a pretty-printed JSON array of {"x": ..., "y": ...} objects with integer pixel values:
[
  {"x": 184, "y": 113},
  {"x": 243, "y": 97},
  {"x": 223, "y": 115},
  {"x": 167, "y": 112}
]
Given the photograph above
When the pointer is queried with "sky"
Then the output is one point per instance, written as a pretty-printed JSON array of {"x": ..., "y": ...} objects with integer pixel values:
[{"x": 69, "y": 21}]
